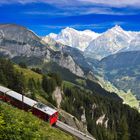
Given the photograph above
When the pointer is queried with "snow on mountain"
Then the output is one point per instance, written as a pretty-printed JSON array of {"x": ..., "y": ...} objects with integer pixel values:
[
  {"x": 134, "y": 44},
  {"x": 96, "y": 45},
  {"x": 112, "y": 41},
  {"x": 74, "y": 38},
  {"x": 52, "y": 35}
]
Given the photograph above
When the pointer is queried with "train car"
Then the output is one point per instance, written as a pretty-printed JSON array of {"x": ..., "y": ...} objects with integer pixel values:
[{"x": 38, "y": 109}]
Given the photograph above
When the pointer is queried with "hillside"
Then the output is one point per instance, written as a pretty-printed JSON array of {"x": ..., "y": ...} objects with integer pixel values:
[
  {"x": 95, "y": 109},
  {"x": 128, "y": 97},
  {"x": 63, "y": 79},
  {"x": 123, "y": 71},
  {"x": 16, "y": 125}
]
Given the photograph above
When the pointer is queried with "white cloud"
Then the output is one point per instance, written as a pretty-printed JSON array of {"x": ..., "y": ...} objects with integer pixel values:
[
  {"x": 82, "y": 7},
  {"x": 55, "y": 2},
  {"x": 114, "y": 3},
  {"x": 76, "y": 11}
]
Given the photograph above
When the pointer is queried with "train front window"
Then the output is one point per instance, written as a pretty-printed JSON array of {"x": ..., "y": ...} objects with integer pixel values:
[{"x": 54, "y": 115}]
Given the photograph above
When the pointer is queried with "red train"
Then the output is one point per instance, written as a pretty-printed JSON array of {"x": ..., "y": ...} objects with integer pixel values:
[{"x": 38, "y": 109}]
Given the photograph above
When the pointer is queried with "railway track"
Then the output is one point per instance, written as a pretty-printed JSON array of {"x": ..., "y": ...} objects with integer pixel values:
[
  {"x": 16, "y": 98},
  {"x": 80, "y": 135}
]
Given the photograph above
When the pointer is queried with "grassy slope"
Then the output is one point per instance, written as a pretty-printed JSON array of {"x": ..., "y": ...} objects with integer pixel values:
[
  {"x": 128, "y": 98},
  {"x": 43, "y": 130},
  {"x": 29, "y": 73}
]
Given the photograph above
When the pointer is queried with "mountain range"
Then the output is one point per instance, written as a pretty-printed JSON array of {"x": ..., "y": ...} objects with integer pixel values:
[
  {"x": 74, "y": 38},
  {"x": 100, "y": 56},
  {"x": 123, "y": 70},
  {"x": 98, "y": 46},
  {"x": 113, "y": 53},
  {"x": 18, "y": 42},
  {"x": 89, "y": 77}
]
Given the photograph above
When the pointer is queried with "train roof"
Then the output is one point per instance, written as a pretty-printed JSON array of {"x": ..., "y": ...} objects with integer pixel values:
[
  {"x": 42, "y": 107},
  {"x": 45, "y": 108}
]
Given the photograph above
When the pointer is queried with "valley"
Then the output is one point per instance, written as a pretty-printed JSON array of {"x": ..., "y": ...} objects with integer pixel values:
[{"x": 95, "y": 93}]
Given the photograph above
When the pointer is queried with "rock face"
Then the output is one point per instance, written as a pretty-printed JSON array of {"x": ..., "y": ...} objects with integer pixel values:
[
  {"x": 67, "y": 62},
  {"x": 52, "y": 44},
  {"x": 102, "y": 121},
  {"x": 76, "y": 54},
  {"x": 73, "y": 121},
  {"x": 113, "y": 41},
  {"x": 57, "y": 95},
  {"x": 134, "y": 44},
  {"x": 74, "y": 38},
  {"x": 19, "y": 41},
  {"x": 108, "y": 43},
  {"x": 94, "y": 45}
]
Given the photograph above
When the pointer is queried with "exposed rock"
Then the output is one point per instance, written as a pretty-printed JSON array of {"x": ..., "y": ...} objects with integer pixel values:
[
  {"x": 106, "y": 123},
  {"x": 19, "y": 41},
  {"x": 67, "y": 61},
  {"x": 100, "y": 120},
  {"x": 73, "y": 121},
  {"x": 57, "y": 95},
  {"x": 94, "y": 106}
]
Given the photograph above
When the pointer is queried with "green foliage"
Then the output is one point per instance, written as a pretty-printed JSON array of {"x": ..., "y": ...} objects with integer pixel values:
[
  {"x": 29, "y": 61},
  {"x": 57, "y": 78},
  {"x": 18, "y": 83},
  {"x": 37, "y": 70},
  {"x": 68, "y": 76},
  {"x": 81, "y": 82},
  {"x": 123, "y": 129},
  {"x": 19, "y": 125},
  {"x": 63, "y": 72},
  {"x": 122, "y": 125},
  {"x": 32, "y": 87},
  {"x": 48, "y": 84},
  {"x": 22, "y": 65},
  {"x": 123, "y": 122},
  {"x": 11, "y": 78},
  {"x": 3, "y": 79},
  {"x": 125, "y": 71}
]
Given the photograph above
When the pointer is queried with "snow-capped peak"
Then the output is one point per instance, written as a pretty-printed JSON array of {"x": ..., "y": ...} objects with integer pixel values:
[
  {"x": 110, "y": 42},
  {"x": 118, "y": 31},
  {"x": 52, "y": 35},
  {"x": 117, "y": 28},
  {"x": 74, "y": 38},
  {"x": 69, "y": 29}
]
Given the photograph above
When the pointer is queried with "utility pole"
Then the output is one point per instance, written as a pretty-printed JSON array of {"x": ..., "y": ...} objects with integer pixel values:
[{"x": 22, "y": 93}]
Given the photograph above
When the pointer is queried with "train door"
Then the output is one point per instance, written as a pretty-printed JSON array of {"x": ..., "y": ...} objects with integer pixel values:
[{"x": 1, "y": 96}]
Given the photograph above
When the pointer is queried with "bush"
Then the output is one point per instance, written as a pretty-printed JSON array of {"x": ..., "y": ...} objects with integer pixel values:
[{"x": 22, "y": 65}]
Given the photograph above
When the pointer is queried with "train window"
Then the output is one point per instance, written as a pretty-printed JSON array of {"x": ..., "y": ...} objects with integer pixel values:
[
  {"x": 1, "y": 93},
  {"x": 54, "y": 115},
  {"x": 40, "y": 105}
]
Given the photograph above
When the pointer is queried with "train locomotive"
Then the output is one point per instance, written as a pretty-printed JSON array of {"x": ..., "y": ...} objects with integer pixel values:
[{"x": 22, "y": 102}]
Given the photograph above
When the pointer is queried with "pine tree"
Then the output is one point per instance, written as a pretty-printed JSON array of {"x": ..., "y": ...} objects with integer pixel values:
[
  {"x": 48, "y": 84},
  {"x": 32, "y": 86},
  {"x": 3, "y": 78},
  {"x": 123, "y": 133},
  {"x": 18, "y": 83}
]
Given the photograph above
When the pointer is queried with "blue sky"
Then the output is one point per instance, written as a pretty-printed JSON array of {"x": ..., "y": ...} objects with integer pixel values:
[{"x": 45, "y": 16}]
